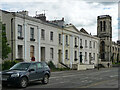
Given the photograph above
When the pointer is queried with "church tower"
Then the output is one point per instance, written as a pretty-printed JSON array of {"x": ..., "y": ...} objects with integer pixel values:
[{"x": 104, "y": 32}]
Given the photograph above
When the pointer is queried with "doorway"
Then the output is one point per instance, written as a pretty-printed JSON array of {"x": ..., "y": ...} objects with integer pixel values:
[
  {"x": 59, "y": 56},
  {"x": 42, "y": 53}
]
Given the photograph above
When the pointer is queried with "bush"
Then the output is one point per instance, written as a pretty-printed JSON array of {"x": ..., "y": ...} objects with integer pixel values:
[
  {"x": 8, "y": 64},
  {"x": 53, "y": 68},
  {"x": 51, "y": 65}
]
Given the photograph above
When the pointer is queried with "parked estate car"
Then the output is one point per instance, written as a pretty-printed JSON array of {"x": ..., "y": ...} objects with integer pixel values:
[{"x": 24, "y": 72}]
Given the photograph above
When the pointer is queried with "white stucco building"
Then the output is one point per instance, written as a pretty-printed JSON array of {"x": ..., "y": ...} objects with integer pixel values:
[{"x": 48, "y": 40}]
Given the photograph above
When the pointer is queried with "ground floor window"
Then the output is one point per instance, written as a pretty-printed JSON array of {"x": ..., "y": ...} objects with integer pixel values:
[
  {"x": 94, "y": 56},
  {"x": 75, "y": 57},
  {"x": 51, "y": 53},
  {"x": 31, "y": 51},
  {"x": 20, "y": 51},
  {"x": 85, "y": 56},
  {"x": 81, "y": 57},
  {"x": 66, "y": 54}
]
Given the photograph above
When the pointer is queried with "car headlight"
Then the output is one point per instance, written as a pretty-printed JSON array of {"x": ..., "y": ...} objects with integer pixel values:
[{"x": 15, "y": 75}]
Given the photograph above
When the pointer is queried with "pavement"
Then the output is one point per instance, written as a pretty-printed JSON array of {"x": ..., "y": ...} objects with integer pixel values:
[{"x": 102, "y": 78}]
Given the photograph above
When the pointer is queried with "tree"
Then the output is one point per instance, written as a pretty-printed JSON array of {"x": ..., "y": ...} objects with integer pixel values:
[
  {"x": 5, "y": 47},
  {"x": 0, "y": 39}
]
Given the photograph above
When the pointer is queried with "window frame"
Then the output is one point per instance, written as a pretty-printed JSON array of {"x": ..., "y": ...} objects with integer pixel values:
[
  {"x": 31, "y": 33},
  {"x": 51, "y": 36},
  {"x": 51, "y": 53},
  {"x": 66, "y": 54},
  {"x": 59, "y": 38},
  {"x": 42, "y": 34},
  {"x": 32, "y": 52},
  {"x": 20, "y": 32}
]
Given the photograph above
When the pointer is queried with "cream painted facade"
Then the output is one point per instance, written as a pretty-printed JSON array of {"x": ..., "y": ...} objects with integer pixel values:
[
  {"x": 12, "y": 20},
  {"x": 49, "y": 42},
  {"x": 115, "y": 52},
  {"x": 92, "y": 51}
]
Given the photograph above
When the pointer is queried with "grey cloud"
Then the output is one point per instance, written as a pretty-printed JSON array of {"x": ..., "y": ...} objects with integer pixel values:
[
  {"x": 81, "y": 14},
  {"x": 108, "y": 3}
]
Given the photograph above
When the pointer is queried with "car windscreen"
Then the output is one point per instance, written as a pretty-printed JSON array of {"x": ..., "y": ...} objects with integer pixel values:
[{"x": 20, "y": 66}]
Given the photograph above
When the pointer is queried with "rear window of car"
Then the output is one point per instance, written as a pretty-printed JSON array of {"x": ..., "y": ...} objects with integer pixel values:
[
  {"x": 33, "y": 66},
  {"x": 44, "y": 64},
  {"x": 39, "y": 65}
]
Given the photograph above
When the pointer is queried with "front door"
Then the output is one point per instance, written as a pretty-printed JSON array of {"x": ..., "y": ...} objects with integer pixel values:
[
  {"x": 42, "y": 53},
  {"x": 59, "y": 55}
]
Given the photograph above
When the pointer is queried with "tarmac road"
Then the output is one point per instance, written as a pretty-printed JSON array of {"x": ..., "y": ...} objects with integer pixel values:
[{"x": 103, "y": 78}]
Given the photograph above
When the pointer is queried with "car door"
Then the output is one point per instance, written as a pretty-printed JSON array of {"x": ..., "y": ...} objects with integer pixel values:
[
  {"x": 40, "y": 70},
  {"x": 32, "y": 74}
]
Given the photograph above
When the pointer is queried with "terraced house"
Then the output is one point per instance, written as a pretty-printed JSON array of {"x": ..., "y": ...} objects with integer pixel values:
[{"x": 55, "y": 41}]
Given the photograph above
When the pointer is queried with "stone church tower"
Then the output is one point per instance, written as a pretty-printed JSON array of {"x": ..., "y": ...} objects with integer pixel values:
[{"x": 104, "y": 32}]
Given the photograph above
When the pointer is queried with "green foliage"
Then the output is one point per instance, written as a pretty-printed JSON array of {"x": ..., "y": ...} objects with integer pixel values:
[
  {"x": 5, "y": 47},
  {"x": 51, "y": 65},
  {"x": 53, "y": 68},
  {"x": 115, "y": 63},
  {"x": 8, "y": 64}
]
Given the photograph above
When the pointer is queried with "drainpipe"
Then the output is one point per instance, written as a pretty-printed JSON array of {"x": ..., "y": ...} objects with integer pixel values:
[
  {"x": 12, "y": 39},
  {"x": 24, "y": 38},
  {"x": 39, "y": 54},
  {"x": 71, "y": 52},
  {"x": 63, "y": 46},
  {"x": 79, "y": 48}
]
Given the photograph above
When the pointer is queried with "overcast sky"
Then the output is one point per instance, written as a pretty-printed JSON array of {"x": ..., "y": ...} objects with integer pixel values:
[{"x": 82, "y": 14}]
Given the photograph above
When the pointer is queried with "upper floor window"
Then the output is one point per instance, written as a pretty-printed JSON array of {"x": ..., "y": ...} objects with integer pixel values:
[
  {"x": 32, "y": 33},
  {"x": 80, "y": 42},
  {"x": 113, "y": 48},
  {"x": 19, "y": 30},
  {"x": 90, "y": 44},
  {"x": 66, "y": 39},
  {"x": 51, "y": 36},
  {"x": 42, "y": 34},
  {"x": 59, "y": 38},
  {"x": 75, "y": 41},
  {"x": 51, "y": 53},
  {"x": 85, "y": 43},
  {"x": 94, "y": 45}
]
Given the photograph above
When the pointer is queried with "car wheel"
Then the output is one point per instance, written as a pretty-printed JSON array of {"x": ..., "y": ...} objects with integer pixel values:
[
  {"x": 45, "y": 79},
  {"x": 23, "y": 82}
]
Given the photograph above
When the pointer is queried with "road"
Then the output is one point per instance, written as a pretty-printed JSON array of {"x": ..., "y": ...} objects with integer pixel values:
[{"x": 103, "y": 78}]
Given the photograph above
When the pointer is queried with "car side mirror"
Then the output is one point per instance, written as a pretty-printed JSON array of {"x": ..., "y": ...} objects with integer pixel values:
[{"x": 31, "y": 70}]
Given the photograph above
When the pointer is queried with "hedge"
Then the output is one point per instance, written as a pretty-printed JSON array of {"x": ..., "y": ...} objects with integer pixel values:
[{"x": 8, "y": 64}]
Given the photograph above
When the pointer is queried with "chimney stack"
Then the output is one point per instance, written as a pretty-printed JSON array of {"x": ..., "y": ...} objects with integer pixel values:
[
  {"x": 23, "y": 12},
  {"x": 41, "y": 17}
]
